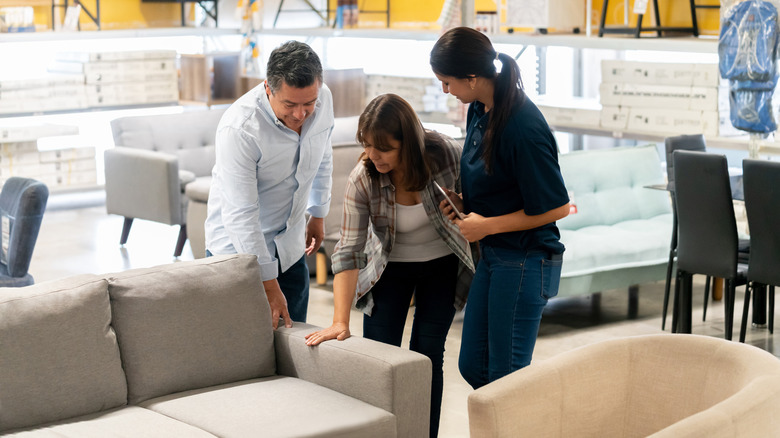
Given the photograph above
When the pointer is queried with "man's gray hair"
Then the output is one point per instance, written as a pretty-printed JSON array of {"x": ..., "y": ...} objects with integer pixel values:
[{"x": 295, "y": 64}]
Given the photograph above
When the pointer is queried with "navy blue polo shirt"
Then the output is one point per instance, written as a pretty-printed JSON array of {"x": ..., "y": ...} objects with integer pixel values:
[{"x": 525, "y": 176}]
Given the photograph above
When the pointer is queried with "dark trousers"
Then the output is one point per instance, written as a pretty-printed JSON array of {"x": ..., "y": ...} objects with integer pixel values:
[
  {"x": 295, "y": 288},
  {"x": 433, "y": 285}
]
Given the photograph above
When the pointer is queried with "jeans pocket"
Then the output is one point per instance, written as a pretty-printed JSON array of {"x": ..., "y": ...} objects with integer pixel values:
[{"x": 551, "y": 276}]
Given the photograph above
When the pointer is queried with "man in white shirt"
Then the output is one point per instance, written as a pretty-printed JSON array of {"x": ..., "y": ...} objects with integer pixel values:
[{"x": 274, "y": 165}]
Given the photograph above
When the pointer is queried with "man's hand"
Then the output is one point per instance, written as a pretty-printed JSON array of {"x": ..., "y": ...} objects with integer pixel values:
[
  {"x": 315, "y": 232},
  {"x": 278, "y": 303},
  {"x": 338, "y": 331}
]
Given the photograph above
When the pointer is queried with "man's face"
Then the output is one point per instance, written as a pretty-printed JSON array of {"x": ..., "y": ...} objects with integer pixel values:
[{"x": 293, "y": 105}]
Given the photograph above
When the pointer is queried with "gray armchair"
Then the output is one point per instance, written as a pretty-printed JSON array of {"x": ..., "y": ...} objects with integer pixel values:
[{"x": 154, "y": 159}]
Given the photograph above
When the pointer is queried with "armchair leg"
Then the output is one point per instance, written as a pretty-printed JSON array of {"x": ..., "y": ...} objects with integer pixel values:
[
  {"x": 322, "y": 269},
  {"x": 181, "y": 240},
  {"x": 633, "y": 301},
  {"x": 126, "y": 230}
]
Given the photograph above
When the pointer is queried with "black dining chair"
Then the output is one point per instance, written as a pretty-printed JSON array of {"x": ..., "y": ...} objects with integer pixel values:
[
  {"x": 708, "y": 243},
  {"x": 694, "y": 142},
  {"x": 761, "y": 182}
]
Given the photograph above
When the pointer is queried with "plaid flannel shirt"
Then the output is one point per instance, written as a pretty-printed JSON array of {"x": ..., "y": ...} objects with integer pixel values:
[{"x": 368, "y": 228}]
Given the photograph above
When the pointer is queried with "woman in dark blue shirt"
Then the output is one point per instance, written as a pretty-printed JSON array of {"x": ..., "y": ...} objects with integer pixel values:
[{"x": 513, "y": 193}]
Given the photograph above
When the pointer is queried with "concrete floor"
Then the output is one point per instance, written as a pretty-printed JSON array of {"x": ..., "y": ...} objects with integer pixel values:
[{"x": 77, "y": 236}]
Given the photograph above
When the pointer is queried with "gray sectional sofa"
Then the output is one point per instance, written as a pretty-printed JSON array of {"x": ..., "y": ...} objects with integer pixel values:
[{"x": 187, "y": 350}]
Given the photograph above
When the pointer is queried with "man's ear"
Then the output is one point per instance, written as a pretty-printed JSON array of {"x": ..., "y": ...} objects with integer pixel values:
[{"x": 267, "y": 88}]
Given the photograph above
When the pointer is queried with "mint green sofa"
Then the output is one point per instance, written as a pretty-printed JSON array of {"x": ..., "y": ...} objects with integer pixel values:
[{"x": 620, "y": 235}]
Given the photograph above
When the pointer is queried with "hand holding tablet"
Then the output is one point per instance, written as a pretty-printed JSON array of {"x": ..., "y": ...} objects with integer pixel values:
[{"x": 449, "y": 201}]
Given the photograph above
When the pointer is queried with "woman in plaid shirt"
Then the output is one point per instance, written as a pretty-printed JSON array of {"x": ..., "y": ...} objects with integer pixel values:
[{"x": 395, "y": 241}]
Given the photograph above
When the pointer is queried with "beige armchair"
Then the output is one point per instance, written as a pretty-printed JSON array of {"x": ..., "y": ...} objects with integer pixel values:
[
  {"x": 154, "y": 159},
  {"x": 657, "y": 385}
]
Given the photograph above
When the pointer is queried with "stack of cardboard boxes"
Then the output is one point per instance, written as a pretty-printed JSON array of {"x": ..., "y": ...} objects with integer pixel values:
[
  {"x": 668, "y": 98},
  {"x": 121, "y": 78},
  {"x": 67, "y": 168},
  {"x": 47, "y": 93}
]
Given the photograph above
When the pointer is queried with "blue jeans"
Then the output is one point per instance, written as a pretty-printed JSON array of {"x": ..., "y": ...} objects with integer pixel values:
[
  {"x": 503, "y": 311},
  {"x": 294, "y": 283},
  {"x": 433, "y": 286}
]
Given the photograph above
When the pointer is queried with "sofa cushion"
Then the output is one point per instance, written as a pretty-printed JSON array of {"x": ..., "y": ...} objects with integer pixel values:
[
  {"x": 126, "y": 422},
  {"x": 276, "y": 406},
  {"x": 58, "y": 353},
  {"x": 192, "y": 324},
  {"x": 627, "y": 244}
]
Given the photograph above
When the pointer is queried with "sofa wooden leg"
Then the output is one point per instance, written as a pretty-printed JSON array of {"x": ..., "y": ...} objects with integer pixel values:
[
  {"x": 322, "y": 268},
  {"x": 180, "y": 241},
  {"x": 126, "y": 230},
  {"x": 633, "y": 301}
]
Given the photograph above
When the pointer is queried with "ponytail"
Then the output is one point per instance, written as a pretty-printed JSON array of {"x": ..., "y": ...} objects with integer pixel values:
[
  {"x": 508, "y": 89},
  {"x": 462, "y": 53}
]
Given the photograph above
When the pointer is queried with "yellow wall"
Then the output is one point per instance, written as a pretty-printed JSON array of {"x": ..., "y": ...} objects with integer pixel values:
[{"x": 133, "y": 14}]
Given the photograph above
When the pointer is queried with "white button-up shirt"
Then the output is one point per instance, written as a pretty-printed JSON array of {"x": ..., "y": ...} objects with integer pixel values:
[{"x": 266, "y": 178}]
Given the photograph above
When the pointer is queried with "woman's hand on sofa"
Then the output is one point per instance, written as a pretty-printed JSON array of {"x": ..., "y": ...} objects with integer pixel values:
[{"x": 338, "y": 331}]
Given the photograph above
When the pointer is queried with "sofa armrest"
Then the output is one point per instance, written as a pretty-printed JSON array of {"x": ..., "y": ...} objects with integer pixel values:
[
  {"x": 143, "y": 184},
  {"x": 391, "y": 378}
]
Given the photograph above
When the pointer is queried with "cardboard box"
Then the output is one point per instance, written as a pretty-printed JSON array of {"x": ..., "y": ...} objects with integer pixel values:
[{"x": 613, "y": 117}]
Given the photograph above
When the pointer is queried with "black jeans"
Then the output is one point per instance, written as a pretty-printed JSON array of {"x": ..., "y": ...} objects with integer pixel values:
[{"x": 433, "y": 285}]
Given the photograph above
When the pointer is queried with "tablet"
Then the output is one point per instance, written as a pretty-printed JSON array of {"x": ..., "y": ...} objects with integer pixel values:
[{"x": 449, "y": 201}]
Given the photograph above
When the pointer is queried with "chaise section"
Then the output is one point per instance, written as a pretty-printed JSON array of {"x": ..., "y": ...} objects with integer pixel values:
[
  {"x": 126, "y": 422},
  {"x": 394, "y": 379},
  {"x": 276, "y": 406},
  {"x": 58, "y": 354}
]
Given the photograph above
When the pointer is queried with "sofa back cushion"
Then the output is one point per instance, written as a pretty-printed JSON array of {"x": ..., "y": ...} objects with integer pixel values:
[
  {"x": 608, "y": 185},
  {"x": 58, "y": 353},
  {"x": 190, "y": 325},
  {"x": 189, "y": 135}
]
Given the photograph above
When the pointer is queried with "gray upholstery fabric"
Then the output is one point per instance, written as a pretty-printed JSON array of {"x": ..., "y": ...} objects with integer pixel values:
[
  {"x": 22, "y": 203},
  {"x": 191, "y": 325},
  {"x": 275, "y": 407},
  {"x": 199, "y": 161},
  {"x": 152, "y": 152},
  {"x": 126, "y": 422},
  {"x": 167, "y": 132},
  {"x": 58, "y": 354},
  {"x": 385, "y": 376},
  {"x": 143, "y": 184}
]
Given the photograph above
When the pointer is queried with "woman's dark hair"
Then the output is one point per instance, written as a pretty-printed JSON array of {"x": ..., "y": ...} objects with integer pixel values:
[
  {"x": 466, "y": 53},
  {"x": 390, "y": 116},
  {"x": 295, "y": 64}
]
